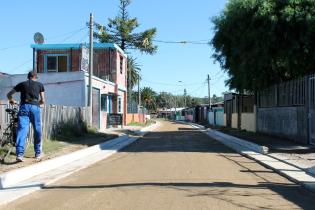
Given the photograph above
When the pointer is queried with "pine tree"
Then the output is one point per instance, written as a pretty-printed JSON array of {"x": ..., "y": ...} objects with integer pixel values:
[{"x": 120, "y": 30}]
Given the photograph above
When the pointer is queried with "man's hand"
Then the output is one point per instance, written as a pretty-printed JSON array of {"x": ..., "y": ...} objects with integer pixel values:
[
  {"x": 12, "y": 102},
  {"x": 10, "y": 97},
  {"x": 42, "y": 98}
]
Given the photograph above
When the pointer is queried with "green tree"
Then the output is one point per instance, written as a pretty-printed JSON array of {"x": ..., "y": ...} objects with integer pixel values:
[
  {"x": 148, "y": 97},
  {"x": 164, "y": 100},
  {"x": 133, "y": 72},
  {"x": 263, "y": 42},
  {"x": 216, "y": 99},
  {"x": 121, "y": 30}
]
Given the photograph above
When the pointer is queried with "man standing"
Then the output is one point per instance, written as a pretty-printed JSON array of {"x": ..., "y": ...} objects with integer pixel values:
[{"x": 32, "y": 96}]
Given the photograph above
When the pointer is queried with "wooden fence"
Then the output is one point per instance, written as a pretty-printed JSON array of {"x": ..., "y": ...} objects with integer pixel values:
[{"x": 53, "y": 117}]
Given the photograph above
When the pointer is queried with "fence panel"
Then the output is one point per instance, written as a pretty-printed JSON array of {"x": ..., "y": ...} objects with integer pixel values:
[
  {"x": 53, "y": 116},
  {"x": 312, "y": 109},
  {"x": 290, "y": 93}
]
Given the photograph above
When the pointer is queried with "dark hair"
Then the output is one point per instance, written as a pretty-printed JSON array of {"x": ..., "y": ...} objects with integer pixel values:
[{"x": 31, "y": 74}]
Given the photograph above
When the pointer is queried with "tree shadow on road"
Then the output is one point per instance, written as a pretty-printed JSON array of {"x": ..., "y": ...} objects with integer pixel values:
[
  {"x": 184, "y": 140},
  {"x": 225, "y": 191}
]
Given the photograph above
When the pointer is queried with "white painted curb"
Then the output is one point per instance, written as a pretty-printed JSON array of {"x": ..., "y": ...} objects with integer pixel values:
[
  {"x": 234, "y": 140},
  {"x": 18, "y": 175},
  {"x": 21, "y": 174},
  {"x": 311, "y": 171},
  {"x": 145, "y": 130},
  {"x": 250, "y": 145},
  {"x": 289, "y": 171}
]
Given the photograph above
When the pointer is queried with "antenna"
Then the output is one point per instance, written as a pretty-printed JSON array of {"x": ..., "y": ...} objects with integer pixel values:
[{"x": 38, "y": 38}]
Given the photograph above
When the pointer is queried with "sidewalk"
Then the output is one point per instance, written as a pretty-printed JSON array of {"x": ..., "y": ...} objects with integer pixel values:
[
  {"x": 291, "y": 160},
  {"x": 299, "y": 155},
  {"x": 20, "y": 182}
]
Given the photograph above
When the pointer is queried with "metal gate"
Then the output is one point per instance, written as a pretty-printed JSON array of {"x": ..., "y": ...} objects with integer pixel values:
[
  {"x": 96, "y": 108},
  {"x": 229, "y": 111},
  {"x": 312, "y": 109}
]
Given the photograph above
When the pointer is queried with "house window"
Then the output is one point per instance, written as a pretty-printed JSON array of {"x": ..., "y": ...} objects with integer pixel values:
[
  {"x": 121, "y": 64},
  {"x": 57, "y": 63},
  {"x": 104, "y": 103},
  {"x": 119, "y": 105}
]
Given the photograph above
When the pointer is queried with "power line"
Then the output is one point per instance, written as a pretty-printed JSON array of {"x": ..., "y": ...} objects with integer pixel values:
[
  {"x": 13, "y": 46},
  {"x": 200, "y": 42},
  {"x": 197, "y": 89},
  {"x": 24, "y": 63},
  {"x": 51, "y": 38},
  {"x": 65, "y": 34},
  {"x": 169, "y": 84},
  {"x": 73, "y": 34},
  {"x": 84, "y": 37},
  {"x": 219, "y": 72}
]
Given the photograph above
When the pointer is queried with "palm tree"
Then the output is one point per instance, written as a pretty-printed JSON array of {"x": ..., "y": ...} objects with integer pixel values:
[
  {"x": 133, "y": 72},
  {"x": 148, "y": 97}
]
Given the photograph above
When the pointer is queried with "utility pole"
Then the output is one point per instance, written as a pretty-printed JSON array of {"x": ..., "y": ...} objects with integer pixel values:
[
  {"x": 129, "y": 90},
  {"x": 175, "y": 105},
  {"x": 209, "y": 90},
  {"x": 185, "y": 94},
  {"x": 139, "y": 96},
  {"x": 90, "y": 99}
]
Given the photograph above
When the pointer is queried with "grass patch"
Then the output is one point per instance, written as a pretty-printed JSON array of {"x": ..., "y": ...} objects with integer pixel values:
[
  {"x": 84, "y": 135},
  {"x": 147, "y": 123},
  {"x": 49, "y": 147},
  {"x": 67, "y": 134}
]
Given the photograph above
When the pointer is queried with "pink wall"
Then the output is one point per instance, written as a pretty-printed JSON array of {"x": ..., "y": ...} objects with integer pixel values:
[
  {"x": 189, "y": 117},
  {"x": 121, "y": 77},
  {"x": 103, "y": 63},
  {"x": 139, "y": 118},
  {"x": 103, "y": 120}
]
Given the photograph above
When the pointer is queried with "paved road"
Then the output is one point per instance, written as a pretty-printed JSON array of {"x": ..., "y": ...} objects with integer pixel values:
[{"x": 176, "y": 167}]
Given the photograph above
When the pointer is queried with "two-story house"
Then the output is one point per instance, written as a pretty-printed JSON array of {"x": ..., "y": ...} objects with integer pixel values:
[{"x": 63, "y": 70}]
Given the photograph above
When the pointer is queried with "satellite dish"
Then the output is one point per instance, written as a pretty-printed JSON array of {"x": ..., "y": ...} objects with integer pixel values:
[{"x": 38, "y": 38}]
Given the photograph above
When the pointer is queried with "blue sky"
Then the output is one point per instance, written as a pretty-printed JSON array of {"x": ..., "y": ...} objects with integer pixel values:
[{"x": 60, "y": 21}]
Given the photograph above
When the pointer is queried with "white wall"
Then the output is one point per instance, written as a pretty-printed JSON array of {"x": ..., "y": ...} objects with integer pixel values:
[
  {"x": 60, "y": 88},
  {"x": 224, "y": 119},
  {"x": 234, "y": 120},
  {"x": 211, "y": 118},
  {"x": 248, "y": 122}
]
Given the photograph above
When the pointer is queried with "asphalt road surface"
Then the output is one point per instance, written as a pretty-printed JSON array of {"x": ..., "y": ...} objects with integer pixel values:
[{"x": 175, "y": 167}]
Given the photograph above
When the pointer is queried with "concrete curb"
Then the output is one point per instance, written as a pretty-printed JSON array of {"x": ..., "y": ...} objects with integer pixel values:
[
  {"x": 241, "y": 142},
  {"x": 249, "y": 145},
  {"x": 18, "y": 175},
  {"x": 21, "y": 174},
  {"x": 145, "y": 130},
  {"x": 36, "y": 183},
  {"x": 289, "y": 171},
  {"x": 311, "y": 171}
]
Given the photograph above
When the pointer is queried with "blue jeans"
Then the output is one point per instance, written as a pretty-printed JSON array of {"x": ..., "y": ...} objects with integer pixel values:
[{"x": 28, "y": 113}]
